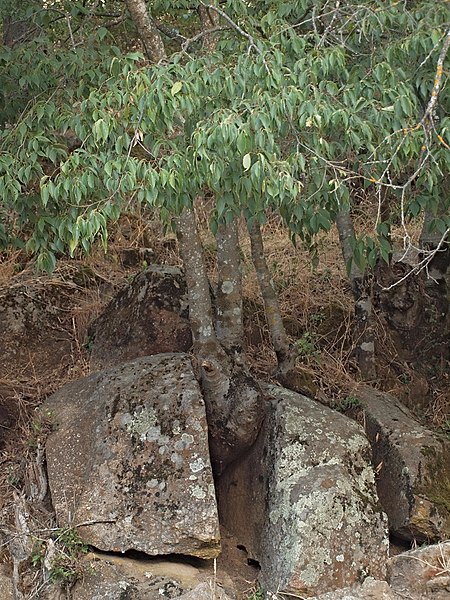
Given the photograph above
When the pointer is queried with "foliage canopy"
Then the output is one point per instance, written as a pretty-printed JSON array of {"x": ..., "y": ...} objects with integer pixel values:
[{"x": 302, "y": 108}]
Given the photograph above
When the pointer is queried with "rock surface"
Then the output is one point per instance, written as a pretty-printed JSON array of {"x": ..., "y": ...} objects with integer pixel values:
[
  {"x": 407, "y": 457},
  {"x": 150, "y": 316},
  {"x": 371, "y": 589},
  {"x": 129, "y": 459},
  {"x": 205, "y": 591},
  {"x": 304, "y": 502},
  {"x": 421, "y": 574},
  {"x": 38, "y": 345},
  {"x": 116, "y": 578}
]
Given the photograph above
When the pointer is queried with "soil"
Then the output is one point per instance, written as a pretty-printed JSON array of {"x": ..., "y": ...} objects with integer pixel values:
[{"x": 47, "y": 344}]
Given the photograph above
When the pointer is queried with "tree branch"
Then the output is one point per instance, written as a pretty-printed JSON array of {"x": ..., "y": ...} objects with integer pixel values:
[
  {"x": 147, "y": 30},
  {"x": 229, "y": 20}
]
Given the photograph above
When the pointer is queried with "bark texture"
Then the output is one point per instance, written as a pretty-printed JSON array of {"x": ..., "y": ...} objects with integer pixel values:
[
  {"x": 364, "y": 327},
  {"x": 209, "y": 20},
  {"x": 200, "y": 307},
  {"x": 285, "y": 353},
  {"x": 230, "y": 329},
  {"x": 233, "y": 399},
  {"x": 147, "y": 30}
]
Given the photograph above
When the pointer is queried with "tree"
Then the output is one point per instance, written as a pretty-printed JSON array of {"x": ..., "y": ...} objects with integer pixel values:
[{"x": 300, "y": 108}]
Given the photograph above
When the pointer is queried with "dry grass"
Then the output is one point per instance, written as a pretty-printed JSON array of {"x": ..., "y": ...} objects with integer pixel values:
[{"x": 316, "y": 305}]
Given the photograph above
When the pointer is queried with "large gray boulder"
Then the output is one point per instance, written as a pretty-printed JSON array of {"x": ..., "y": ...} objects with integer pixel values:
[
  {"x": 303, "y": 503},
  {"x": 128, "y": 462},
  {"x": 413, "y": 466},
  {"x": 149, "y": 316}
]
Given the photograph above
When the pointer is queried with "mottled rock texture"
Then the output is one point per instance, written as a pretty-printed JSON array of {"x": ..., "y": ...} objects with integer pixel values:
[
  {"x": 129, "y": 458},
  {"x": 205, "y": 591},
  {"x": 413, "y": 465},
  {"x": 150, "y": 316},
  {"x": 303, "y": 503},
  {"x": 371, "y": 589},
  {"x": 115, "y": 578},
  {"x": 422, "y": 574}
]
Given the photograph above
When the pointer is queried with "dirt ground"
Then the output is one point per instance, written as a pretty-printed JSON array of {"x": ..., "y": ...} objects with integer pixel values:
[{"x": 51, "y": 344}]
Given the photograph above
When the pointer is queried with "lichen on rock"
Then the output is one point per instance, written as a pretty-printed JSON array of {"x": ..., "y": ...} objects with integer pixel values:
[{"x": 129, "y": 458}]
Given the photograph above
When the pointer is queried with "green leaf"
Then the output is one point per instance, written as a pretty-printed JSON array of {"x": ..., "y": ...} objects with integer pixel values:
[
  {"x": 246, "y": 162},
  {"x": 176, "y": 88}
]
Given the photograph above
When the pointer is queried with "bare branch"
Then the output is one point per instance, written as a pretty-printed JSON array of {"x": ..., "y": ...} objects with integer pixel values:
[
  {"x": 252, "y": 43},
  {"x": 188, "y": 41},
  {"x": 423, "y": 264},
  {"x": 428, "y": 117}
]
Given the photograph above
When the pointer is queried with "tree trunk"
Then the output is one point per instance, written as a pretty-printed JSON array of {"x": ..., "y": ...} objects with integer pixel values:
[
  {"x": 286, "y": 355},
  {"x": 364, "y": 337},
  {"x": 437, "y": 284},
  {"x": 148, "y": 32},
  {"x": 200, "y": 308},
  {"x": 230, "y": 329},
  {"x": 233, "y": 399},
  {"x": 209, "y": 20}
]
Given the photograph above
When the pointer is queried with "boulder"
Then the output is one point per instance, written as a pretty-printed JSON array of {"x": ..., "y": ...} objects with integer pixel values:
[
  {"x": 205, "y": 591},
  {"x": 371, "y": 589},
  {"x": 303, "y": 502},
  {"x": 421, "y": 574},
  {"x": 413, "y": 466},
  {"x": 116, "y": 578},
  {"x": 149, "y": 316},
  {"x": 128, "y": 461},
  {"x": 38, "y": 344},
  {"x": 35, "y": 327}
]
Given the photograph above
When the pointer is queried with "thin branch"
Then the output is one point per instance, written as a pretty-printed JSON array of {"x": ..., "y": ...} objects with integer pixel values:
[
  {"x": 429, "y": 111},
  {"x": 188, "y": 41},
  {"x": 69, "y": 27},
  {"x": 252, "y": 43},
  {"x": 173, "y": 34},
  {"x": 423, "y": 264}
]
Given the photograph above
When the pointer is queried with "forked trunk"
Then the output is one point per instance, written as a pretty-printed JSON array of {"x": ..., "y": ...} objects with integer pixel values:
[{"x": 233, "y": 399}]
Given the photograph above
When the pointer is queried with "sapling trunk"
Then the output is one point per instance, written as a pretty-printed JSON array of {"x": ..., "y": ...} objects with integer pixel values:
[
  {"x": 364, "y": 338},
  {"x": 229, "y": 324},
  {"x": 286, "y": 355}
]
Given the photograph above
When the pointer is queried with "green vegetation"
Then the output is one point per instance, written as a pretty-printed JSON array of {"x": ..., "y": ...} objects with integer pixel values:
[
  {"x": 300, "y": 110},
  {"x": 307, "y": 346},
  {"x": 347, "y": 403},
  {"x": 60, "y": 556}
]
